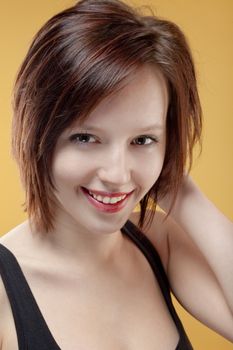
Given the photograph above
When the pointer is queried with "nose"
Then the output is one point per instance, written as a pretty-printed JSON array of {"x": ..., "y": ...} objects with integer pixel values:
[{"x": 115, "y": 168}]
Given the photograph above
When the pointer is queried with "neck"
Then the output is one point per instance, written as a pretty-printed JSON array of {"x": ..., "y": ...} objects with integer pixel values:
[{"x": 73, "y": 244}]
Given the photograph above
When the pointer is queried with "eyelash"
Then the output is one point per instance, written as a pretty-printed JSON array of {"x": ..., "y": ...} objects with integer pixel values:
[{"x": 73, "y": 138}]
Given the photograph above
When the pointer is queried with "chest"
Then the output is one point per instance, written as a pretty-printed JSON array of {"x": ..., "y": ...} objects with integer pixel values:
[{"x": 113, "y": 310}]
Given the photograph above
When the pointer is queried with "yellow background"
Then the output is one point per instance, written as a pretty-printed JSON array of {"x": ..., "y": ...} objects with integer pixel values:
[{"x": 208, "y": 25}]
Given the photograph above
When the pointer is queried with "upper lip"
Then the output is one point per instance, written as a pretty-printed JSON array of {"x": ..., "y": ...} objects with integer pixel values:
[{"x": 108, "y": 194}]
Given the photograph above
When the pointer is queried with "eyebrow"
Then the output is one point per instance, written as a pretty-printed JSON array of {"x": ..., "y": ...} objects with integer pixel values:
[{"x": 143, "y": 129}]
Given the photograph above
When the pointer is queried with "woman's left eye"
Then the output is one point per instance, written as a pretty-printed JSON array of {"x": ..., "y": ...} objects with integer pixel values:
[
  {"x": 82, "y": 138},
  {"x": 145, "y": 140}
]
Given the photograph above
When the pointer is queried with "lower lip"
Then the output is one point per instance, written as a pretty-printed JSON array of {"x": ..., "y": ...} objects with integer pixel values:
[{"x": 107, "y": 208}]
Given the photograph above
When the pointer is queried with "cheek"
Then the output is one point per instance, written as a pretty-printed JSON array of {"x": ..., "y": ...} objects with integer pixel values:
[
  {"x": 68, "y": 169},
  {"x": 150, "y": 170}
]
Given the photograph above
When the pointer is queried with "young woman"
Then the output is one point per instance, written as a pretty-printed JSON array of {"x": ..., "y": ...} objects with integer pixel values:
[{"x": 106, "y": 114}]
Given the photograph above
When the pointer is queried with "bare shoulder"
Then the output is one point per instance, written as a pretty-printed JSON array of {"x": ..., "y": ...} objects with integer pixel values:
[
  {"x": 157, "y": 233},
  {"x": 16, "y": 238}
]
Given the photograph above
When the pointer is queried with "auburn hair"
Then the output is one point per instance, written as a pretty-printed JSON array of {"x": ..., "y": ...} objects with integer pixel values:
[{"x": 80, "y": 56}]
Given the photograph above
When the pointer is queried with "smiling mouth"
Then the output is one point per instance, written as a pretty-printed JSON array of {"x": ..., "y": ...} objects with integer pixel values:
[
  {"x": 105, "y": 203},
  {"x": 105, "y": 198}
]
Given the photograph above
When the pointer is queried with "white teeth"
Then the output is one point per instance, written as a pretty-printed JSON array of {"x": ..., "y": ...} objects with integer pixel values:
[{"x": 107, "y": 200}]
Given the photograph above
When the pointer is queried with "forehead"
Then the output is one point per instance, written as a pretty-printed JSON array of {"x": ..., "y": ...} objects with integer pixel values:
[{"x": 142, "y": 100}]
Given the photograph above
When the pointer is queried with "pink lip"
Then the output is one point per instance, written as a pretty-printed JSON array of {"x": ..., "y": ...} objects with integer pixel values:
[
  {"x": 108, "y": 194},
  {"x": 107, "y": 208}
]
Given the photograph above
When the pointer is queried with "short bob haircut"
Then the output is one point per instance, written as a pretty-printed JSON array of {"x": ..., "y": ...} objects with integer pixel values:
[{"x": 78, "y": 58}]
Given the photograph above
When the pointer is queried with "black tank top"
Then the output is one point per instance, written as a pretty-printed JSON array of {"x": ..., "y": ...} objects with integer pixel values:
[{"x": 31, "y": 328}]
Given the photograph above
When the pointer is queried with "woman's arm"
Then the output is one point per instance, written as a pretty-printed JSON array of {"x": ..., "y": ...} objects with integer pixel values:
[{"x": 201, "y": 257}]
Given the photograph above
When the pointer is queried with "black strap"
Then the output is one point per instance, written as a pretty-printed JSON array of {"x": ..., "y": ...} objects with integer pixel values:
[
  {"x": 32, "y": 330},
  {"x": 148, "y": 249}
]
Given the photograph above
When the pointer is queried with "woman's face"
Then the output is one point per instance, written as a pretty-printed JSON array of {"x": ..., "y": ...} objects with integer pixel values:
[{"x": 119, "y": 148}]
